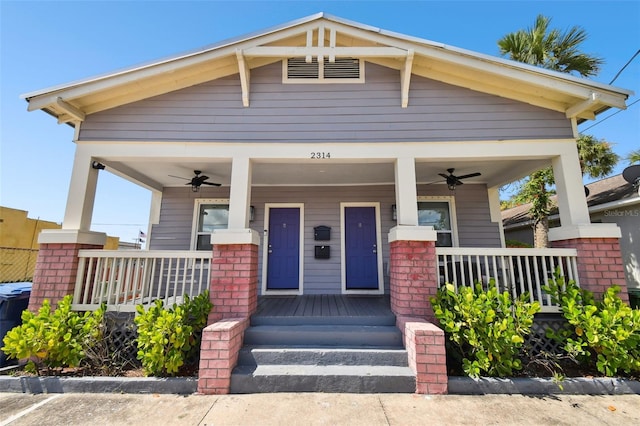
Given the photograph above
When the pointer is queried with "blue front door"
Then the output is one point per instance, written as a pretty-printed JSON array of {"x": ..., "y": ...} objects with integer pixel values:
[
  {"x": 361, "y": 248},
  {"x": 283, "y": 255}
]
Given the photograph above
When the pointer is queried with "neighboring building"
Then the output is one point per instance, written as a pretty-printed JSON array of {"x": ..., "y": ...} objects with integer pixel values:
[
  {"x": 19, "y": 244},
  {"x": 610, "y": 200},
  {"x": 327, "y": 145}
]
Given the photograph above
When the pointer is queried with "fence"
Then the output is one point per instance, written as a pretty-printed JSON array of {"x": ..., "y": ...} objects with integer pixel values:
[{"x": 17, "y": 264}]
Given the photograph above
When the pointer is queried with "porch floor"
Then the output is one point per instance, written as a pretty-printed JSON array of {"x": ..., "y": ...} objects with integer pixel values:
[{"x": 323, "y": 309}]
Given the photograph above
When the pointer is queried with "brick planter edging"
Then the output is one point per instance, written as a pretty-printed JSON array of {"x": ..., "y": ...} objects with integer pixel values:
[
  {"x": 425, "y": 345},
  {"x": 221, "y": 343}
]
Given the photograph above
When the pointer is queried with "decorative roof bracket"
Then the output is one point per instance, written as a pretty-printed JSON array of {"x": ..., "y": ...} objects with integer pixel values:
[
  {"x": 244, "y": 77},
  {"x": 405, "y": 78},
  {"x": 73, "y": 112}
]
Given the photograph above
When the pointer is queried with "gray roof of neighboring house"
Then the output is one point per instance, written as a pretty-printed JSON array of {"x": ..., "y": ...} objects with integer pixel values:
[{"x": 606, "y": 191}]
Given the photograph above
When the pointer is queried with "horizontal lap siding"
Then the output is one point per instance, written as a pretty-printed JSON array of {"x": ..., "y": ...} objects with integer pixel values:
[
  {"x": 367, "y": 112},
  {"x": 322, "y": 207}
]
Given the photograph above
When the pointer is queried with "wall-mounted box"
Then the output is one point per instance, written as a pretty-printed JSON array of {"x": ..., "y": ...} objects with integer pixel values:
[
  {"x": 322, "y": 233},
  {"x": 323, "y": 252}
]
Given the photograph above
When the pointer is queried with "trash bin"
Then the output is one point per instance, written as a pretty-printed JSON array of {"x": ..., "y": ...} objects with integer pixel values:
[
  {"x": 634, "y": 298},
  {"x": 14, "y": 298}
]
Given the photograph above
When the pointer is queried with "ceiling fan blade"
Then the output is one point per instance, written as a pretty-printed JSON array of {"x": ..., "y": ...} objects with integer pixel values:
[
  {"x": 468, "y": 176},
  {"x": 179, "y": 177},
  {"x": 211, "y": 183},
  {"x": 443, "y": 175}
]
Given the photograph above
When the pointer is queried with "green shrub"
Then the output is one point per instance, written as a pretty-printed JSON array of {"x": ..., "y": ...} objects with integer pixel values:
[
  {"x": 606, "y": 331},
  {"x": 486, "y": 327},
  {"x": 54, "y": 339},
  {"x": 167, "y": 337}
]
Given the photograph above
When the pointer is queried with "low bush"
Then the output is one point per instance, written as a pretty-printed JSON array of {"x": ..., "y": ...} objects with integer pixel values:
[
  {"x": 168, "y": 337},
  {"x": 54, "y": 339},
  {"x": 607, "y": 331},
  {"x": 486, "y": 328}
]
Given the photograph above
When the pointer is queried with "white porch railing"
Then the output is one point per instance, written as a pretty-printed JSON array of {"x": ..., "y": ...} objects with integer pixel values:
[
  {"x": 123, "y": 279},
  {"x": 517, "y": 270}
]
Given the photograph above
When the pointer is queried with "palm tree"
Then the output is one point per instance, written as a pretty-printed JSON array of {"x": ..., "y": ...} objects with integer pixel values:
[
  {"x": 550, "y": 49},
  {"x": 557, "y": 51},
  {"x": 634, "y": 157}
]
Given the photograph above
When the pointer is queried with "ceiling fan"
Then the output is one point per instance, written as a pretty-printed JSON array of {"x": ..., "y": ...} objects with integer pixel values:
[
  {"x": 453, "y": 181},
  {"x": 197, "y": 181}
]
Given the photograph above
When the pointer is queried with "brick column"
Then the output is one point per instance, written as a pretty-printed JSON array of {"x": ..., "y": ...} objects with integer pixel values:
[
  {"x": 413, "y": 278},
  {"x": 234, "y": 281},
  {"x": 221, "y": 343},
  {"x": 55, "y": 273},
  {"x": 427, "y": 354},
  {"x": 599, "y": 264}
]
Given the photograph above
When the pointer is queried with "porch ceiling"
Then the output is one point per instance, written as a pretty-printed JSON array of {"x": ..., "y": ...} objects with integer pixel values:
[{"x": 310, "y": 172}]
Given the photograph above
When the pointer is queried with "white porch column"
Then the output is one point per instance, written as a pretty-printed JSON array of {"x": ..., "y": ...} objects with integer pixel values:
[
  {"x": 82, "y": 193},
  {"x": 493, "y": 194},
  {"x": 406, "y": 192},
  {"x": 238, "y": 231},
  {"x": 572, "y": 203}
]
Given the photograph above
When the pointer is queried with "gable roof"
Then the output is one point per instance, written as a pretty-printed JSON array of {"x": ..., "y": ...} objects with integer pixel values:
[
  {"x": 604, "y": 194},
  {"x": 328, "y": 36}
]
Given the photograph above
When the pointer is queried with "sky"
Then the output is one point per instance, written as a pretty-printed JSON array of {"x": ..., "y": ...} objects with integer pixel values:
[{"x": 46, "y": 43}]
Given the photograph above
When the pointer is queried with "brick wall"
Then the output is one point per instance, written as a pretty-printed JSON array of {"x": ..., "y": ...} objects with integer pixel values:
[
  {"x": 221, "y": 343},
  {"x": 234, "y": 281},
  {"x": 55, "y": 274},
  {"x": 599, "y": 264},
  {"x": 427, "y": 354},
  {"x": 412, "y": 270}
]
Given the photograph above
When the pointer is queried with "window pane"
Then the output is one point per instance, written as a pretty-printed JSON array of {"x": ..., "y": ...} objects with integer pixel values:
[
  {"x": 444, "y": 240},
  {"x": 434, "y": 214},
  {"x": 204, "y": 242},
  {"x": 213, "y": 216}
]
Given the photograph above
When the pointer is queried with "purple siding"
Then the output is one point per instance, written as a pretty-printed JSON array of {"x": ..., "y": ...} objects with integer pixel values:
[{"x": 368, "y": 112}]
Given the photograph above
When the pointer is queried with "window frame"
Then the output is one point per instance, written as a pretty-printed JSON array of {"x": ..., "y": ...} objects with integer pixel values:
[
  {"x": 198, "y": 202},
  {"x": 450, "y": 200}
]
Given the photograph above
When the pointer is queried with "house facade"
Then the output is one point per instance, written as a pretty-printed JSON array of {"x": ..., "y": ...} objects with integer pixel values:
[{"x": 341, "y": 159}]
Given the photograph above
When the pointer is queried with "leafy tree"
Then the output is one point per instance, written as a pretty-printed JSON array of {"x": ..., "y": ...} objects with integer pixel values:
[
  {"x": 634, "y": 157},
  {"x": 558, "y": 51}
]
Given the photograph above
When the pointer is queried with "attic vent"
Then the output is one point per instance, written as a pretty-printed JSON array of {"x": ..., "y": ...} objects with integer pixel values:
[{"x": 343, "y": 70}]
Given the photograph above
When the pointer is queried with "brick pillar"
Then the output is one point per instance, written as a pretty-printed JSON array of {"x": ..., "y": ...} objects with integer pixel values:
[
  {"x": 55, "y": 273},
  {"x": 413, "y": 278},
  {"x": 425, "y": 345},
  {"x": 221, "y": 343},
  {"x": 234, "y": 281},
  {"x": 599, "y": 264}
]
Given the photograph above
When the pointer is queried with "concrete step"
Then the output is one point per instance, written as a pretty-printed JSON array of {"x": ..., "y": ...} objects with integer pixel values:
[
  {"x": 388, "y": 319},
  {"x": 324, "y": 378},
  {"x": 279, "y": 355},
  {"x": 324, "y": 335}
]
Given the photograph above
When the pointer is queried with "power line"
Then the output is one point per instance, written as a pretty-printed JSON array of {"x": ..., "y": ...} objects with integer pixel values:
[{"x": 625, "y": 65}]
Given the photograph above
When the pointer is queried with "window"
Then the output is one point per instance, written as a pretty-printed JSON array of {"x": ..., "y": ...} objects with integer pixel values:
[
  {"x": 208, "y": 215},
  {"x": 343, "y": 70},
  {"x": 438, "y": 212}
]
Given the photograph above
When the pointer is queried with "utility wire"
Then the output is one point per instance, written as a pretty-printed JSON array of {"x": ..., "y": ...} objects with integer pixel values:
[
  {"x": 608, "y": 117},
  {"x": 625, "y": 65}
]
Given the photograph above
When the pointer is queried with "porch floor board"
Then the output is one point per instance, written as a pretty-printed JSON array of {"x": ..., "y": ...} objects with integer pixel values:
[{"x": 326, "y": 306}]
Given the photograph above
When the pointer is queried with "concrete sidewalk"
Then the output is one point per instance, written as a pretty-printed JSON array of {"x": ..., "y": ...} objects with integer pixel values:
[{"x": 317, "y": 409}]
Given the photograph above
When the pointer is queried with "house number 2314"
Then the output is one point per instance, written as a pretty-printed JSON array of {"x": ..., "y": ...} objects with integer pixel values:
[{"x": 320, "y": 155}]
